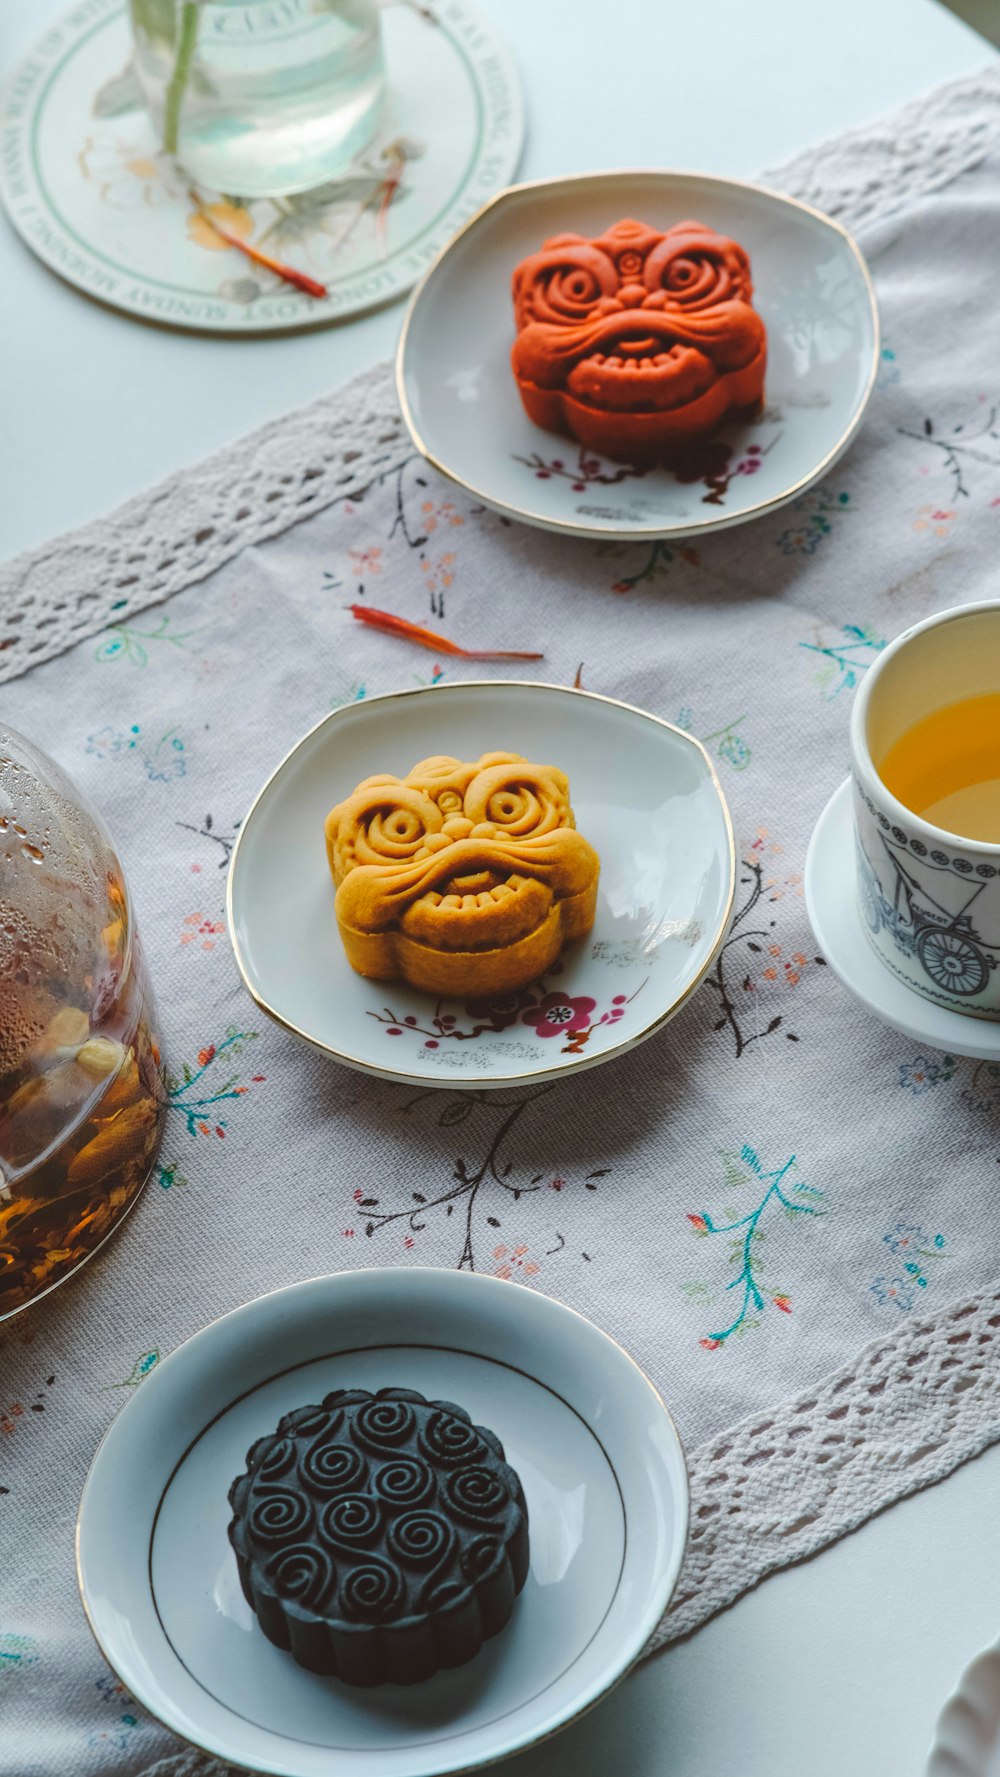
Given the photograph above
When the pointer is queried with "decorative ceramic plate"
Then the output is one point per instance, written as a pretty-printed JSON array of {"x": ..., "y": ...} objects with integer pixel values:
[
  {"x": 831, "y": 900},
  {"x": 462, "y": 406},
  {"x": 967, "y": 1736},
  {"x": 600, "y": 1462},
  {"x": 662, "y": 831},
  {"x": 86, "y": 187}
]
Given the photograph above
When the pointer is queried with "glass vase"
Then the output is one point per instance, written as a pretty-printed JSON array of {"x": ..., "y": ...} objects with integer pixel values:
[{"x": 259, "y": 98}]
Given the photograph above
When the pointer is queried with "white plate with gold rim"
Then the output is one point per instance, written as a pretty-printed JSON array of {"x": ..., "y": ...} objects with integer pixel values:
[
  {"x": 597, "y": 1453},
  {"x": 462, "y": 406},
  {"x": 660, "y": 826}
]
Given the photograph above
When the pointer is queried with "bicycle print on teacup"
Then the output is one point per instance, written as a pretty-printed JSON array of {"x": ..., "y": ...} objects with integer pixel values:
[
  {"x": 928, "y": 900},
  {"x": 928, "y": 912}
]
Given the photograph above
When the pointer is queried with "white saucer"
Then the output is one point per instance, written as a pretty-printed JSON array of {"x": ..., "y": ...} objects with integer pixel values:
[
  {"x": 461, "y": 403},
  {"x": 836, "y": 923},
  {"x": 600, "y": 1462},
  {"x": 662, "y": 830},
  {"x": 967, "y": 1737}
]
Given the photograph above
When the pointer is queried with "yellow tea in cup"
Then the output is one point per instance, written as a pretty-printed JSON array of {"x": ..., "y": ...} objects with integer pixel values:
[{"x": 947, "y": 768}]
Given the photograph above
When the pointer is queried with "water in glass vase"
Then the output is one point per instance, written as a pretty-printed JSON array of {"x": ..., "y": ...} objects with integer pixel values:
[{"x": 261, "y": 97}]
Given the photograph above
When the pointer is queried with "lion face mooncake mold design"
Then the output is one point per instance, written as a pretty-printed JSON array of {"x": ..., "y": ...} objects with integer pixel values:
[
  {"x": 461, "y": 878},
  {"x": 639, "y": 341}
]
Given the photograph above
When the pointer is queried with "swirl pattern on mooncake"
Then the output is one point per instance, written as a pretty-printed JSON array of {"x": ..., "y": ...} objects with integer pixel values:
[
  {"x": 476, "y": 1494},
  {"x": 277, "y": 1460},
  {"x": 381, "y": 1425},
  {"x": 449, "y": 1440},
  {"x": 304, "y": 1572},
  {"x": 379, "y": 1536},
  {"x": 278, "y": 1515},
  {"x": 466, "y": 877},
  {"x": 352, "y": 1521},
  {"x": 404, "y": 1482},
  {"x": 639, "y": 341},
  {"x": 333, "y": 1468},
  {"x": 421, "y": 1539}
]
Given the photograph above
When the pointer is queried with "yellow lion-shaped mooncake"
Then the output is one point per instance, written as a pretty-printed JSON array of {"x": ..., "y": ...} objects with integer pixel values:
[{"x": 461, "y": 878}]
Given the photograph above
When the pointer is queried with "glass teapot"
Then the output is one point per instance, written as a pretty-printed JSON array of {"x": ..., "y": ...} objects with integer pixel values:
[{"x": 80, "y": 1088}]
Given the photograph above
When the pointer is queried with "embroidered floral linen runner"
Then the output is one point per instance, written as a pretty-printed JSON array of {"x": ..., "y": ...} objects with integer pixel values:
[{"x": 775, "y": 1204}]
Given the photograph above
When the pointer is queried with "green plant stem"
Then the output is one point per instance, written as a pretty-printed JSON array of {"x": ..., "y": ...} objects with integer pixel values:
[{"x": 186, "y": 41}]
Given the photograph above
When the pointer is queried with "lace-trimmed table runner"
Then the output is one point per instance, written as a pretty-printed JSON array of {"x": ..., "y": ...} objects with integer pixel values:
[{"x": 784, "y": 1210}]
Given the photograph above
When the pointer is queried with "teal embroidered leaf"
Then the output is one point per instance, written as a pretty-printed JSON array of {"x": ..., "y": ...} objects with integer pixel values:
[{"x": 745, "y": 1246}]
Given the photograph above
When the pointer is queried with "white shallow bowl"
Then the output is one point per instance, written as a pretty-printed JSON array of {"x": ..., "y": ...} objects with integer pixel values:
[
  {"x": 662, "y": 830},
  {"x": 599, "y": 1459},
  {"x": 461, "y": 403},
  {"x": 832, "y": 905},
  {"x": 967, "y": 1737}
]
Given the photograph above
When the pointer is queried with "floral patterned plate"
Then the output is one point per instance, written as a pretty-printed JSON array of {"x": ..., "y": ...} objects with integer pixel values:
[
  {"x": 967, "y": 1736},
  {"x": 599, "y": 1459},
  {"x": 86, "y": 186},
  {"x": 461, "y": 403},
  {"x": 661, "y": 827},
  {"x": 831, "y": 900}
]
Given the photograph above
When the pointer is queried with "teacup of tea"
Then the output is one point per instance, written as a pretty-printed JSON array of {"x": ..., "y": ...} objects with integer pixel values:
[{"x": 925, "y": 757}]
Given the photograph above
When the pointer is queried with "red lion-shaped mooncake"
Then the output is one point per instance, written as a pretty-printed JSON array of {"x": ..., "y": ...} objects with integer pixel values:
[{"x": 639, "y": 342}]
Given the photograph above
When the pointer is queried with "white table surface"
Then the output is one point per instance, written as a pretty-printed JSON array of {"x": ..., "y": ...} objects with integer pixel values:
[{"x": 837, "y": 1668}]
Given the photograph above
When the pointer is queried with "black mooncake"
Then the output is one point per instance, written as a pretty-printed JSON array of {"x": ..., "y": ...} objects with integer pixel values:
[{"x": 381, "y": 1536}]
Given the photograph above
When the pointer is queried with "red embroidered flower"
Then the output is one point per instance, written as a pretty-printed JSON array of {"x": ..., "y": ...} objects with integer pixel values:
[
  {"x": 557, "y": 1015},
  {"x": 512, "y": 1261}
]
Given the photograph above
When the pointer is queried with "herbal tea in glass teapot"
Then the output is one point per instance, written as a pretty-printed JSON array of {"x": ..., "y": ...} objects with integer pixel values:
[{"x": 80, "y": 1089}]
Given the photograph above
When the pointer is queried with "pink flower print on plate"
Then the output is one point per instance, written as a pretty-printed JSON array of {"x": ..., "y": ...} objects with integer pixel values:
[{"x": 557, "y": 1015}]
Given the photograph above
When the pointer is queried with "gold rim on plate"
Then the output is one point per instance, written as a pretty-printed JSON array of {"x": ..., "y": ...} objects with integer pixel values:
[
  {"x": 470, "y": 1081},
  {"x": 684, "y": 1504},
  {"x": 638, "y": 532}
]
